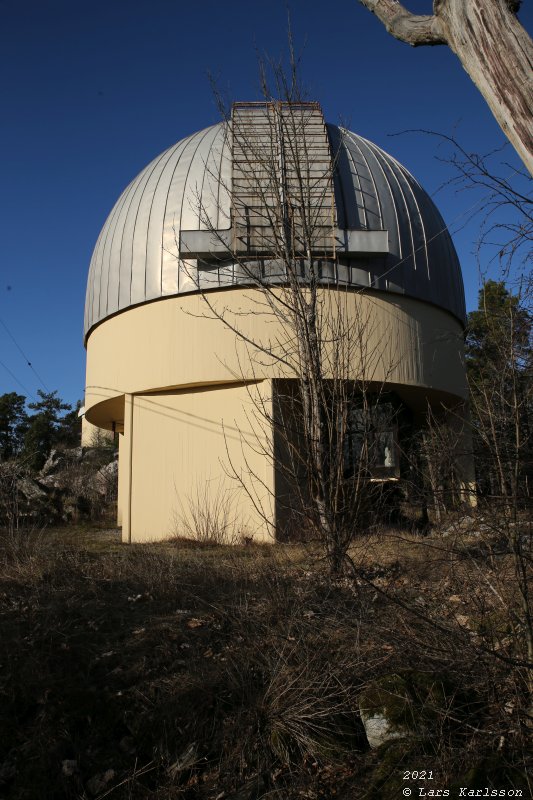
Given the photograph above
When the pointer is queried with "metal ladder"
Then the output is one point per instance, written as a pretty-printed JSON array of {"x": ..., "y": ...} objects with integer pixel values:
[{"x": 282, "y": 182}]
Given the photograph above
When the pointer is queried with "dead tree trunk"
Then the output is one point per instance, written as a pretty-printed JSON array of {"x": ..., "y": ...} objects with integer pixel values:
[{"x": 493, "y": 48}]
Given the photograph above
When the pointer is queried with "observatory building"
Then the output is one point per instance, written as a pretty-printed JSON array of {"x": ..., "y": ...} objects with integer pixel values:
[{"x": 183, "y": 343}]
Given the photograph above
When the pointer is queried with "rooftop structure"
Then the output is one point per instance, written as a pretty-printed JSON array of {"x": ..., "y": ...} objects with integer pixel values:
[{"x": 384, "y": 229}]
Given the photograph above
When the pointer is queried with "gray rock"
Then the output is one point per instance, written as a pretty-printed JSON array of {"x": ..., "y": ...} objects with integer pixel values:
[
  {"x": 405, "y": 705},
  {"x": 386, "y": 711},
  {"x": 30, "y": 490},
  {"x": 379, "y": 729},
  {"x": 105, "y": 476},
  {"x": 50, "y": 482},
  {"x": 52, "y": 464}
]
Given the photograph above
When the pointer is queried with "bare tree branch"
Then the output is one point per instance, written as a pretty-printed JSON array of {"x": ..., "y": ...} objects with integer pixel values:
[
  {"x": 491, "y": 44},
  {"x": 413, "y": 29}
]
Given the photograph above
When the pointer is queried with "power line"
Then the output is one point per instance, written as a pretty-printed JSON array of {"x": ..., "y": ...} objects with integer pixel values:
[
  {"x": 17, "y": 380},
  {"x": 25, "y": 357}
]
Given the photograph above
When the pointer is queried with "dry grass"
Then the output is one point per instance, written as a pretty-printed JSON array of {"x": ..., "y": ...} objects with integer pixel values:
[{"x": 181, "y": 671}]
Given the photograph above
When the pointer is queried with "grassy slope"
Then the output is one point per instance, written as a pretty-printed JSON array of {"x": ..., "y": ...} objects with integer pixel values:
[{"x": 178, "y": 671}]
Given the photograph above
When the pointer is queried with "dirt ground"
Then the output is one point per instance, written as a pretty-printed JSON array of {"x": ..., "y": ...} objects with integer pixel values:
[{"x": 229, "y": 673}]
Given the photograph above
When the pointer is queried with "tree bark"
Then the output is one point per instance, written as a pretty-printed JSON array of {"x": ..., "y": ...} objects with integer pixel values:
[{"x": 493, "y": 48}]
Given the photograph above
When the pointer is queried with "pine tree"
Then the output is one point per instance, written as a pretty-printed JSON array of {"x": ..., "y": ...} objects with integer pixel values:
[
  {"x": 498, "y": 352},
  {"x": 44, "y": 427},
  {"x": 13, "y": 424}
]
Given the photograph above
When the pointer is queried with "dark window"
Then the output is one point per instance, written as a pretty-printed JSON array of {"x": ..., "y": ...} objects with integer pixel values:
[{"x": 370, "y": 443}]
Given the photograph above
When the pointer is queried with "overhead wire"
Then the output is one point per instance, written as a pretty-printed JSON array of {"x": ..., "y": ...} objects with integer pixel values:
[
  {"x": 17, "y": 380},
  {"x": 25, "y": 357}
]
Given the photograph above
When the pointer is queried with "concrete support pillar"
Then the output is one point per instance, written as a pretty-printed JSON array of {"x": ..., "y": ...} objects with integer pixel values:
[
  {"x": 126, "y": 469},
  {"x": 120, "y": 490}
]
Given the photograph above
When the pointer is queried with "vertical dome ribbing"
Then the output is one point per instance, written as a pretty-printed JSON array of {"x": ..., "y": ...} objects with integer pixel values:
[{"x": 137, "y": 259}]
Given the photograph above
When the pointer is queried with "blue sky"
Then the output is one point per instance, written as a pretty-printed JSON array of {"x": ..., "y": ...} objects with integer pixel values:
[{"x": 91, "y": 92}]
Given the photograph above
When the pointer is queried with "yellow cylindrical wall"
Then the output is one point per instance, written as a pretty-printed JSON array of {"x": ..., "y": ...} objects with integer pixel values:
[
  {"x": 176, "y": 342},
  {"x": 178, "y": 377}
]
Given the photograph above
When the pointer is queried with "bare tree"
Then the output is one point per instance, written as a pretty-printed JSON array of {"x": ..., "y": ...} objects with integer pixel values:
[
  {"x": 440, "y": 461},
  {"x": 504, "y": 207},
  {"x": 493, "y": 48},
  {"x": 327, "y": 410},
  {"x": 498, "y": 354},
  {"x": 498, "y": 349},
  {"x": 11, "y": 473},
  {"x": 499, "y": 358}
]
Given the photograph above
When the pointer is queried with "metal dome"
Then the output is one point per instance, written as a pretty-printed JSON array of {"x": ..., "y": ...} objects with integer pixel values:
[{"x": 137, "y": 257}]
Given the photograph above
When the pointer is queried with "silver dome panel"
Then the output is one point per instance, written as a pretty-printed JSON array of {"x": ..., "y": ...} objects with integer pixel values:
[
  {"x": 373, "y": 191},
  {"x": 137, "y": 255}
]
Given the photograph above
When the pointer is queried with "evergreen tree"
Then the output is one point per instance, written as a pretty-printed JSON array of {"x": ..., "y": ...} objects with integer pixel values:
[
  {"x": 69, "y": 432},
  {"x": 44, "y": 427},
  {"x": 498, "y": 353},
  {"x": 13, "y": 424}
]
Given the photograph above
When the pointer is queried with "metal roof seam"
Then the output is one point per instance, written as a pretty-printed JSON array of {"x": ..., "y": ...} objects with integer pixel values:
[{"x": 134, "y": 260}]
